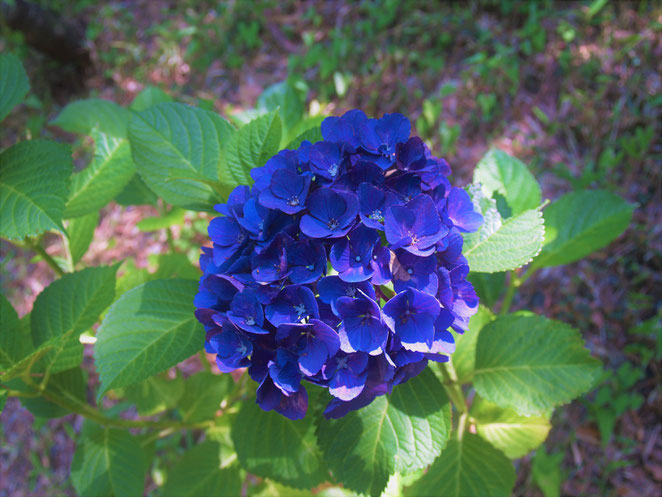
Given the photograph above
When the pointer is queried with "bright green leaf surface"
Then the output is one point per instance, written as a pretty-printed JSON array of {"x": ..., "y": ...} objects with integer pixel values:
[
  {"x": 531, "y": 363},
  {"x": 81, "y": 232},
  {"x": 149, "y": 97},
  {"x": 272, "y": 446},
  {"x": 110, "y": 171},
  {"x": 546, "y": 472},
  {"x": 177, "y": 150},
  {"x": 287, "y": 100},
  {"x": 250, "y": 147},
  {"x": 147, "y": 330},
  {"x": 203, "y": 393},
  {"x": 108, "y": 463},
  {"x": 199, "y": 472},
  {"x": 499, "y": 172},
  {"x": 83, "y": 116},
  {"x": 513, "y": 434},
  {"x": 173, "y": 217},
  {"x": 467, "y": 468},
  {"x": 464, "y": 357},
  {"x": 401, "y": 432},
  {"x": 14, "y": 84},
  {"x": 34, "y": 183},
  {"x": 311, "y": 132},
  {"x": 582, "y": 222}
]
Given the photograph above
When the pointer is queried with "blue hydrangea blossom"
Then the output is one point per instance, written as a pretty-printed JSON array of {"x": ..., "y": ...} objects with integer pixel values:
[{"x": 341, "y": 266}]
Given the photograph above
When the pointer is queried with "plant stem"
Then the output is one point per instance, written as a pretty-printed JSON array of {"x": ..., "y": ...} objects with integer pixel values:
[
  {"x": 513, "y": 285},
  {"x": 44, "y": 255},
  {"x": 453, "y": 389},
  {"x": 204, "y": 361}
]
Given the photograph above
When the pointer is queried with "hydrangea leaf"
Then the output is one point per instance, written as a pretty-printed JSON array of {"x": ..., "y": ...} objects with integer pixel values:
[
  {"x": 80, "y": 233},
  {"x": 488, "y": 286},
  {"x": 109, "y": 172},
  {"x": 155, "y": 394},
  {"x": 34, "y": 183},
  {"x": 14, "y": 83},
  {"x": 136, "y": 192},
  {"x": 498, "y": 172},
  {"x": 147, "y": 330},
  {"x": 65, "y": 309},
  {"x": 581, "y": 222},
  {"x": 470, "y": 467},
  {"x": 250, "y": 147},
  {"x": 287, "y": 100},
  {"x": 149, "y": 97},
  {"x": 83, "y": 116},
  {"x": 177, "y": 150},
  {"x": 14, "y": 344},
  {"x": 173, "y": 217},
  {"x": 199, "y": 472},
  {"x": 308, "y": 129},
  {"x": 515, "y": 435},
  {"x": 401, "y": 432},
  {"x": 531, "y": 363},
  {"x": 69, "y": 384},
  {"x": 464, "y": 357},
  {"x": 502, "y": 244},
  {"x": 3, "y": 400},
  {"x": 108, "y": 462},
  {"x": 272, "y": 446},
  {"x": 203, "y": 394},
  {"x": 546, "y": 472}
]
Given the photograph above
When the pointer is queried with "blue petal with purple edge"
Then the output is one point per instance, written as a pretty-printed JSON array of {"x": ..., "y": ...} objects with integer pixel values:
[
  {"x": 352, "y": 256},
  {"x": 326, "y": 160},
  {"x": 246, "y": 312},
  {"x": 362, "y": 327},
  {"x": 287, "y": 192},
  {"x": 411, "y": 315},
  {"x": 461, "y": 211},
  {"x": 293, "y": 304},
  {"x": 307, "y": 261},
  {"x": 410, "y": 270},
  {"x": 271, "y": 264},
  {"x": 331, "y": 214},
  {"x": 284, "y": 371},
  {"x": 331, "y": 288},
  {"x": 269, "y": 397},
  {"x": 374, "y": 202}
]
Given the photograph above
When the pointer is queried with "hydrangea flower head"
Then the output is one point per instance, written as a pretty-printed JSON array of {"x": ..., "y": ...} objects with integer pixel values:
[{"x": 341, "y": 266}]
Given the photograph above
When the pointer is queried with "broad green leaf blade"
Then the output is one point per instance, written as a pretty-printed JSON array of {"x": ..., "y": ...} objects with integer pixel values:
[
  {"x": 108, "y": 463},
  {"x": 498, "y": 172},
  {"x": 513, "y": 434},
  {"x": 203, "y": 393},
  {"x": 147, "y": 330},
  {"x": 531, "y": 363},
  {"x": 72, "y": 304},
  {"x": 34, "y": 183},
  {"x": 287, "y": 100},
  {"x": 582, "y": 222},
  {"x": 69, "y": 384},
  {"x": 199, "y": 472},
  {"x": 136, "y": 192},
  {"x": 155, "y": 394},
  {"x": 110, "y": 171},
  {"x": 14, "y": 84},
  {"x": 174, "y": 217},
  {"x": 14, "y": 343},
  {"x": 467, "y": 468},
  {"x": 488, "y": 286},
  {"x": 172, "y": 265},
  {"x": 3, "y": 400},
  {"x": 80, "y": 233},
  {"x": 177, "y": 150},
  {"x": 250, "y": 147},
  {"x": 546, "y": 472},
  {"x": 501, "y": 245},
  {"x": 271, "y": 446},
  {"x": 464, "y": 357},
  {"x": 149, "y": 97},
  {"x": 401, "y": 432},
  {"x": 83, "y": 116},
  {"x": 312, "y": 132}
]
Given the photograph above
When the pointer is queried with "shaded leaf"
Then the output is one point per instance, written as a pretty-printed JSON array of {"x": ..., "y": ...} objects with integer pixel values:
[
  {"x": 14, "y": 84},
  {"x": 203, "y": 393},
  {"x": 80, "y": 233},
  {"x": 136, "y": 192},
  {"x": 83, "y": 116},
  {"x": 464, "y": 357}
]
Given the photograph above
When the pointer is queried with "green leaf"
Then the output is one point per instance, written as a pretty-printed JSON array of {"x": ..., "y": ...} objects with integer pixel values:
[
  {"x": 488, "y": 286},
  {"x": 3, "y": 400},
  {"x": 14, "y": 343},
  {"x": 149, "y": 97},
  {"x": 546, "y": 472},
  {"x": 83, "y": 116},
  {"x": 199, "y": 472},
  {"x": 14, "y": 84},
  {"x": 498, "y": 172},
  {"x": 309, "y": 129},
  {"x": 69, "y": 384},
  {"x": 271, "y": 446},
  {"x": 401, "y": 432},
  {"x": 203, "y": 393},
  {"x": 147, "y": 330},
  {"x": 65, "y": 309},
  {"x": 287, "y": 100},
  {"x": 531, "y": 363},
  {"x": 464, "y": 357},
  {"x": 34, "y": 183},
  {"x": 108, "y": 463},
  {"x": 250, "y": 147},
  {"x": 96, "y": 185},
  {"x": 174, "y": 265},
  {"x": 155, "y": 394},
  {"x": 136, "y": 192},
  {"x": 582, "y": 222},
  {"x": 513, "y": 434},
  {"x": 171, "y": 218},
  {"x": 501, "y": 245},
  {"x": 80, "y": 233},
  {"x": 177, "y": 150},
  {"x": 467, "y": 468}
]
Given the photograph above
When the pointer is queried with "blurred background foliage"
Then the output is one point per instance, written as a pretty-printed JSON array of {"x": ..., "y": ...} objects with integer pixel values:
[{"x": 571, "y": 88}]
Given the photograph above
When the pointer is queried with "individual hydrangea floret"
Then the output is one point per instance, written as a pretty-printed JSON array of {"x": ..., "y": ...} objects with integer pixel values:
[{"x": 341, "y": 267}]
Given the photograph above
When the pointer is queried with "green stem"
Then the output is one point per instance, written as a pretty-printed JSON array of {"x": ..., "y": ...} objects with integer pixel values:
[
  {"x": 453, "y": 389},
  {"x": 461, "y": 425},
  {"x": 513, "y": 285},
  {"x": 204, "y": 361},
  {"x": 44, "y": 255}
]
